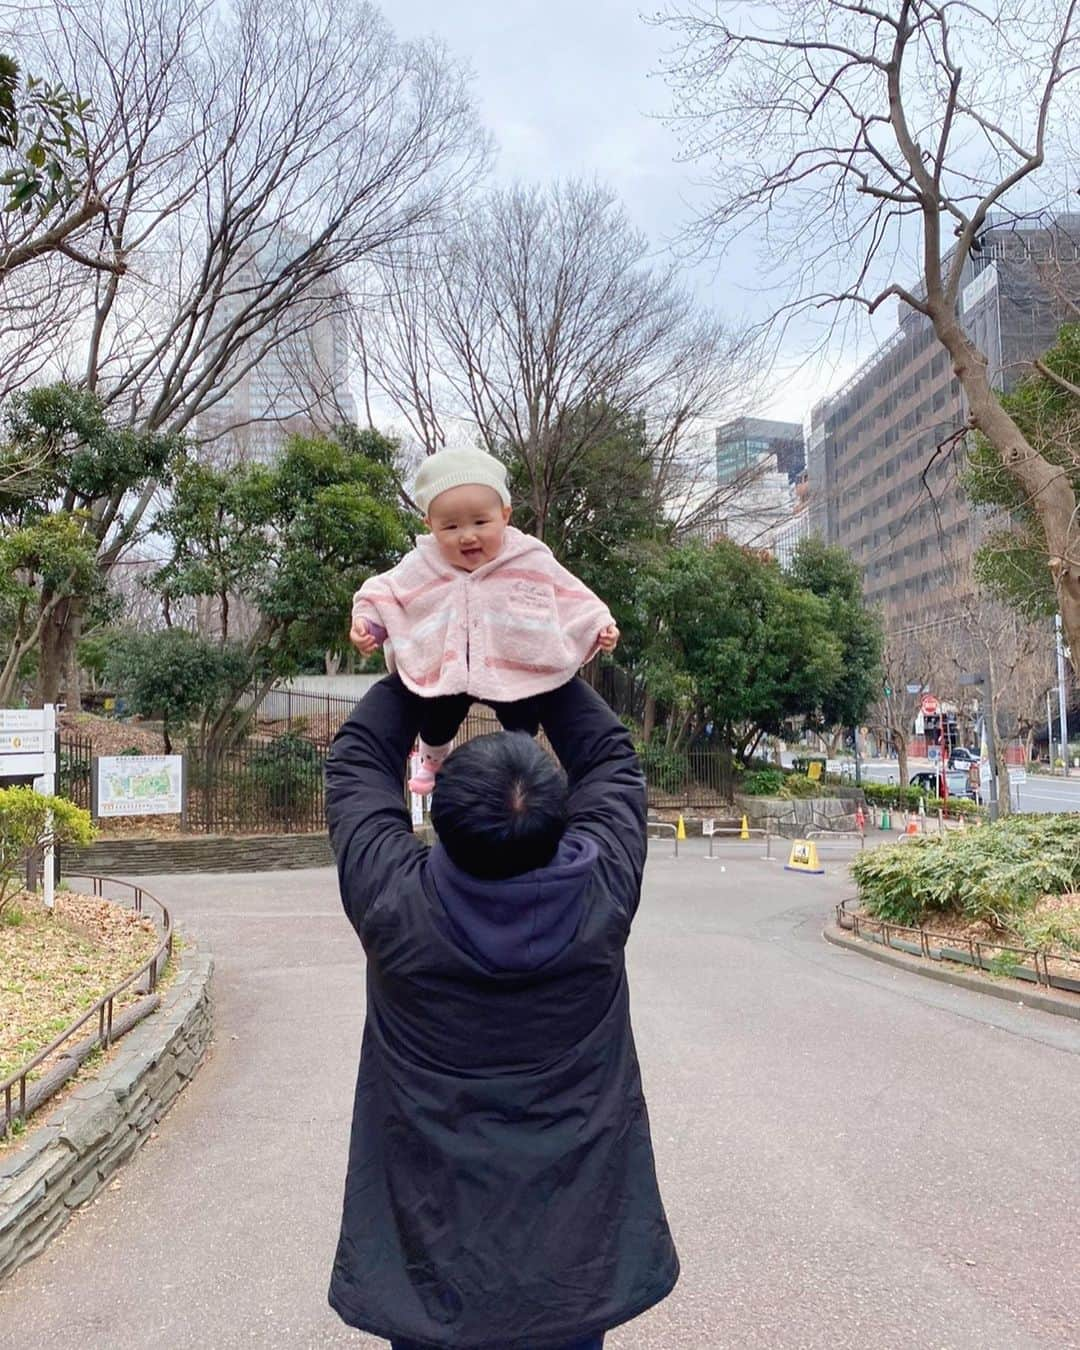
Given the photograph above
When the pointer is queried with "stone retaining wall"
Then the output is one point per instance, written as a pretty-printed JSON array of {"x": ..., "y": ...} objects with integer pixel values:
[
  {"x": 793, "y": 819},
  {"x": 198, "y": 853},
  {"x": 102, "y": 1122}
]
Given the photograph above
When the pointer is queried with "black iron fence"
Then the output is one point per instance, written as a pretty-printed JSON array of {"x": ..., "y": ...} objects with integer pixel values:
[
  {"x": 269, "y": 786},
  {"x": 274, "y": 784},
  {"x": 73, "y": 769}
]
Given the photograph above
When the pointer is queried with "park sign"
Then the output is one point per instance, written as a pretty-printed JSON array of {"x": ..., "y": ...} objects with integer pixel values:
[
  {"x": 27, "y": 742},
  {"x": 138, "y": 785},
  {"x": 29, "y": 748}
]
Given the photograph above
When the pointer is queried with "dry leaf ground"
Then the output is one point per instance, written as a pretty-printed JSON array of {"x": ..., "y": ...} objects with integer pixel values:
[{"x": 52, "y": 968}]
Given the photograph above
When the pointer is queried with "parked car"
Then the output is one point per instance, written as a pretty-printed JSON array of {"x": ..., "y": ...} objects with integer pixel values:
[
  {"x": 958, "y": 782},
  {"x": 960, "y": 757}
]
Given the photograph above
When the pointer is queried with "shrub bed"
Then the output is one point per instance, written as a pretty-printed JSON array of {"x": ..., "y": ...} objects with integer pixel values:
[{"x": 998, "y": 874}]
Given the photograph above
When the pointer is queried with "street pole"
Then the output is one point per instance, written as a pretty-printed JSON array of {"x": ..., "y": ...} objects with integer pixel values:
[
  {"x": 1062, "y": 714},
  {"x": 991, "y": 743},
  {"x": 858, "y": 765},
  {"x": 1049, "y": 731}
]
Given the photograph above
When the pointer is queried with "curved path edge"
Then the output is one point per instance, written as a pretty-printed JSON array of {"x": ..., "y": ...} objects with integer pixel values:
[
  {"x": 63, "y": 1163},
  {"x": 1044, "y": 1001}
]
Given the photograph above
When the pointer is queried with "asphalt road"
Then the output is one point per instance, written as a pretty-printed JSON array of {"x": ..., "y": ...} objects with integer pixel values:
[
  {"x": 851, "y": 1156},
  {"x": 1041, "y": 793}
]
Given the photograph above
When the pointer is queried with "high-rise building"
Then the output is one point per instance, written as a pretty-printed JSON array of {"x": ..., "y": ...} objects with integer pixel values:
[
  {"x": 744, "y": 442},
  {"x": 749, "y": 509},
  {"x": 885, "y": 452},
  {"x": 290, "y": 377}
]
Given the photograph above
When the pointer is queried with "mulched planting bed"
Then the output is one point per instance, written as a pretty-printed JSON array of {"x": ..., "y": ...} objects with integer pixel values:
[
  {"x": 1060, "y": 911},
  {"x": 52, "y": 968}
]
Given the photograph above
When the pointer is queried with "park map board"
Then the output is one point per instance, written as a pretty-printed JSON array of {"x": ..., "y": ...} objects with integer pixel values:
[{"x": 139, "y": 785}]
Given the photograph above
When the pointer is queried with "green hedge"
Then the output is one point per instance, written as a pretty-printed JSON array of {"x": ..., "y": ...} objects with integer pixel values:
[
  {"x": 893, "y": 795},
  {"x": 768, "y": 782},
  {"x": 996, "y": 872}
]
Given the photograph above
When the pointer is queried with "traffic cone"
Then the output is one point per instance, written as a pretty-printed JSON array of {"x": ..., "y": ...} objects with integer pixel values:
[
  {"x": 912, "y": 825},
  {"x": 886, "y": 819},
  {"x": 744, "y": 830},
  {"x": 680, "y": 832},
  {"x": 860, "y": 819}
]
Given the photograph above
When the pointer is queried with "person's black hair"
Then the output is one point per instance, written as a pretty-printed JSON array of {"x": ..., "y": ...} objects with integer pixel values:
[{"x": 499, "y": 805}]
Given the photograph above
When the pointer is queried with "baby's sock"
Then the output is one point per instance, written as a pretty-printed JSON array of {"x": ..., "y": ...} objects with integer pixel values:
[{"x": 431, "y": 759}]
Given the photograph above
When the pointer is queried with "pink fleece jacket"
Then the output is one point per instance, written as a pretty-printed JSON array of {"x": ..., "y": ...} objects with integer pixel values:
[{"x": 516, "y": 626}]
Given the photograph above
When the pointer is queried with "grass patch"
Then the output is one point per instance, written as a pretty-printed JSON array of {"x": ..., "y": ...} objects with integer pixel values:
[{"x": 54, "y": 967}]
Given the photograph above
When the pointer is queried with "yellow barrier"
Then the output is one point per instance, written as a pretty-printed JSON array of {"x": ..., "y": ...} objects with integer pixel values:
[{"x": 803, "y": 857}]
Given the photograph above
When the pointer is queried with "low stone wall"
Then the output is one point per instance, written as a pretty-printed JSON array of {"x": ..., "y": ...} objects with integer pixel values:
[
  {"x": 198, "y": 853},
  {"x": 793, "y": 819},
  {"x": 66, "y": 1161}
]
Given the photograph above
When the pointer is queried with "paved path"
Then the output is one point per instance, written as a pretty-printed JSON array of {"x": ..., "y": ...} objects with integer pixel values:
[{"x": 852, "y": 1156}]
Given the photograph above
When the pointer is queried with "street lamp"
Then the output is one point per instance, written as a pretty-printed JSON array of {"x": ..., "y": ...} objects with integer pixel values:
[{"x": 976, "y": 680}]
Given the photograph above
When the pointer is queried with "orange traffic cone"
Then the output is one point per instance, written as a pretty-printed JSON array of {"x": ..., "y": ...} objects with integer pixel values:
[{"x": 912, "y": 825}]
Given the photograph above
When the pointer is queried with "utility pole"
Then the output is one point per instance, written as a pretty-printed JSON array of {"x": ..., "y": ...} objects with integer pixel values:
[
  {"x": 984, "y": 679},
  {"x": 1062, "y": 714}
]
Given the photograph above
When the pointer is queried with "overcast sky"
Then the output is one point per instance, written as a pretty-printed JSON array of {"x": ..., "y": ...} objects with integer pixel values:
[{"x": 567, "y": 88}]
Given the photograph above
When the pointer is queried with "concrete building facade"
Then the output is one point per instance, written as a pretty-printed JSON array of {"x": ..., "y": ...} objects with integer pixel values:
[{"x": 886, "y": 451}]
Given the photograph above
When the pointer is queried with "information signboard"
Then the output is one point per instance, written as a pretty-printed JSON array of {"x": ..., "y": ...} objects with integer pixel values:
[{"x": 138, "y": 785}]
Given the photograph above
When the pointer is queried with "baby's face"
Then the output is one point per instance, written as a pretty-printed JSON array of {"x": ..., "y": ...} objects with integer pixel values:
[{"x": 468, "y": 524}]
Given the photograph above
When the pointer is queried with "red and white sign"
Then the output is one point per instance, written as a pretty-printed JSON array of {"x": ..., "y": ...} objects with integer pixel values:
[{"x": 930, "y": 706}]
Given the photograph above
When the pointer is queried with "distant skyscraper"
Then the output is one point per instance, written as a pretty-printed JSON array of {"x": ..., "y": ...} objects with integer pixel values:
[
  {"x": 293, "y": 382},
  {"x": 743, "y": 443}
]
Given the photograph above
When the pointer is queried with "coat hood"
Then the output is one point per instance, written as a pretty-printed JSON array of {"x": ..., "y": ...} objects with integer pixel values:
[{"x": 519, "y": 923}]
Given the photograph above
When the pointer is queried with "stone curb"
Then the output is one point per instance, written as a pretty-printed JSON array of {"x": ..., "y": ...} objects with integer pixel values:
[
  {"x": 1062, "y": 1005},
  {"x": 65, "y": 1162}
]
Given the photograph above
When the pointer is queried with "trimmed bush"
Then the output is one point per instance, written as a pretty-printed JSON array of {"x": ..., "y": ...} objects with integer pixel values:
[
  {"x": 287, "y": 772},
  {"x": 893, "y": 795},
  {"x": 994, "y": 873},
  {"x": 763, "y": 782}
]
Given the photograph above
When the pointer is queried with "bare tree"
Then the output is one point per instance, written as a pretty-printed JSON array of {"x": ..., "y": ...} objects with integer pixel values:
[
  {"x": 540, "y": 324},
  {"x": 907, "y": 664},
  {"x": 254, "y": 157},
  {"x": 868, "y": 141}
]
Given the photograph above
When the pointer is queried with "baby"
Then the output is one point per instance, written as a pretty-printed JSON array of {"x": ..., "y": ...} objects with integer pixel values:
[{"x": 477, "y": 610}]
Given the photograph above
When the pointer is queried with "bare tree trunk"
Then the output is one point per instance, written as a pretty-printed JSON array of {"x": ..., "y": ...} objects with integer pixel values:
[
  {"x": 73, "y": 674},
  {"x": 53, "y": 654},
  {"x": 648, "y": 721}
]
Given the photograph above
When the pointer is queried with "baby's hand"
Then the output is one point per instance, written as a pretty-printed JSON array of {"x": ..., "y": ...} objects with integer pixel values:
[
  {"x": 609, "y": 638},
  {"x": 361, "y": 639}
]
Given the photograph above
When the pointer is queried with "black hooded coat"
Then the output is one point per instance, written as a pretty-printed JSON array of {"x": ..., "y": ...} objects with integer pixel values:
[{"x": 501, "y": 1192}]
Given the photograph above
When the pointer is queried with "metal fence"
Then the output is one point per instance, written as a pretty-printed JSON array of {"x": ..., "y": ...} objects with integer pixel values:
[
  {"x": 1032, "y": 964},
  {"x": 274, "y": 784},
  {"x": 20, "y": 1096},
  {"x": 73, "y": 769},
  {"x": 269, "y": 786}
]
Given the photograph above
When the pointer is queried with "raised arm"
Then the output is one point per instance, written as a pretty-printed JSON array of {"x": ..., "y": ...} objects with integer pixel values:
[
  {"x": 607, "y": 786},
  {"x": 370, "y": 830}
]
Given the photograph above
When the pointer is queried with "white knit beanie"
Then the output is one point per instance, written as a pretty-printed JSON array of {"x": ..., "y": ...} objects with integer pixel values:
[{"x": 454, "y": 468}]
